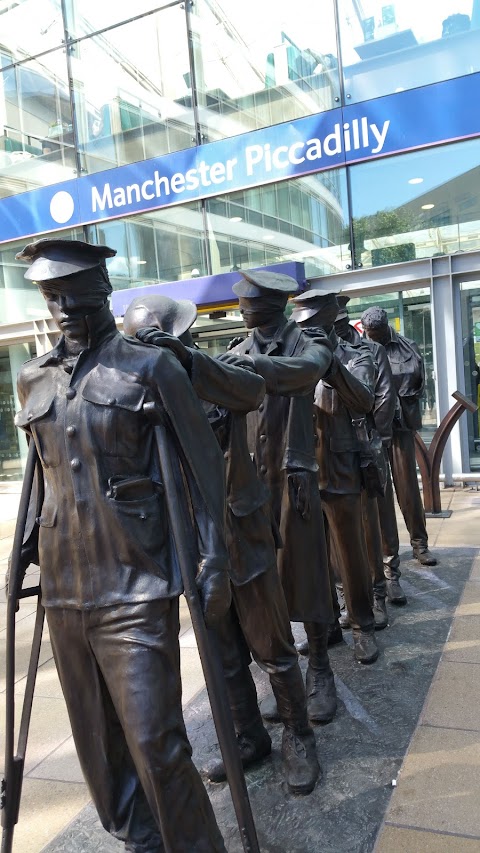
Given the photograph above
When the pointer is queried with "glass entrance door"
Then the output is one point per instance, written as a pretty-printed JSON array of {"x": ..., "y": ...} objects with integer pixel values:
[{"x": 470, "y": 303}]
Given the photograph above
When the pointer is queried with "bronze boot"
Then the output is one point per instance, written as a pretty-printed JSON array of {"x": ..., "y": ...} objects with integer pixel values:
[
  {"x": 253, "y": 744},
  {"x": 299, "y": 759}
]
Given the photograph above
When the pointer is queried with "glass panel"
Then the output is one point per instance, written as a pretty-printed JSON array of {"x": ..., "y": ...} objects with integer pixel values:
[
  {"x": 389, "y": 47},
  {"x": 167, "y": 245},
  {"x": 88, "y": 16},
  {"x": 409, "y": 313},
  {"x": 417, "y": 205},
  {"x": 297, "y": 220},
  {"x": 213, "y": 332},
  {"x": 29, "y": 27},
  {"x": 129, "y": 89},
  {"x": 470, "y": 302},
  {"x": 254, "y": 70},
  {"x": 36, "y": 141},
  {"x": 13, "y": 444}
]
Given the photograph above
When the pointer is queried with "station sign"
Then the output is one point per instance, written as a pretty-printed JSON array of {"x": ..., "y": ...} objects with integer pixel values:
[{"x": 404, "y": 121}]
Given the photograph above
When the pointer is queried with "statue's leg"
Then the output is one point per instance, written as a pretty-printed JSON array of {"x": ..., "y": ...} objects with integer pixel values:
[
  {"x": 253, "y": 739},
  {"x": 373, "y": 541},
  {"x": 99, "y": 738},
  {"x": 136, "y": 649},
  {"x": 408, "y": 493},
  {"x": 264, "y": 619},
  {"x": 405, "y": 479},
  {"x": 344, "y": 516}
]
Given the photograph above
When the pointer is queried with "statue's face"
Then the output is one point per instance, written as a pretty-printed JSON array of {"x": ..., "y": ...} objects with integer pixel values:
[
  {"x": 260, "y": 310},
  {"x": 70, "y": 304},
  {"x": 326, "y": 316},
  {"x": 381, "y": 334}
]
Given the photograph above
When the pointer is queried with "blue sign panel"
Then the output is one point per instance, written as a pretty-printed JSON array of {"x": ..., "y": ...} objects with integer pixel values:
[
  {"x": 400, "y": 122},
  {"x": 204, "y": 291}
]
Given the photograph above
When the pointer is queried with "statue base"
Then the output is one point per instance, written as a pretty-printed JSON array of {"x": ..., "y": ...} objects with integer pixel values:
[{"x": 361, "y": 751}]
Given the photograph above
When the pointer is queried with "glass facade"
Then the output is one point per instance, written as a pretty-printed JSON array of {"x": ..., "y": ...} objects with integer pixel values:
[
  {"x": 296, "y": 220},
  {"x": 254, "y": 70},
  {"x": 470, "y": 308},
  {"x": 37, "y": 142},
  {"x": 390, "y": 47},
  {"x": 135, "y": 108},
  {"x": 87, "y": 86},
  {"x": 13, "y": 445},
  {"x": 426, "y": 203}
]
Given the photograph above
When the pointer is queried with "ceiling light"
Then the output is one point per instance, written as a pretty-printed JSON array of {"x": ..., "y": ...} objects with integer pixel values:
[
  {"x": 416, "y": 181},
  {"x": 427, "y": 206},
  {"x": 141, "y": 262},
  {"x": 236, "y": 219},
  {"x": 269, "y": 237}
]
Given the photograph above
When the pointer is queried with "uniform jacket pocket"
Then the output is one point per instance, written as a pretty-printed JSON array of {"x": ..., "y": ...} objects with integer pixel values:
[{"x": 117, "y": 412}]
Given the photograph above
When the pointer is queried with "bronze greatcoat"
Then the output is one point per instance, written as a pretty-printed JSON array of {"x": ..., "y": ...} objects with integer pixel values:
[
  {"x": 281, "y": 439},
  {"x": 382, "y": 539},
  {"x": 347, "y": 390},
  {"x": 110, "y": 583},
  {"x": 258, "y": 623},
  {"x": 409, "y": 379}
]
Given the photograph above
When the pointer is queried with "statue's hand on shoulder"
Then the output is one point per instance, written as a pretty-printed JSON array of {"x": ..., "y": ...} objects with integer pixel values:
[
  {"x": 215, "y": 594},
  {"x": 235, "y": 342},
  {"x": 319, "y": 335},
  {"x": 157, "y": 338},
  {"x": 243, "y": 361}
]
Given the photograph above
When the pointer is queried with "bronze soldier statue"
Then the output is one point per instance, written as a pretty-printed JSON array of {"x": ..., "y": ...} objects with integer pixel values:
[
  {"x": 344, "y": 393},
  {"x": 257, "y": 624},
  {"x": 281, "y": 439},
  {"x": 409, "y": 379},
  {"x": 383, "y": 412},
  {"x": 110, "y": 583}
]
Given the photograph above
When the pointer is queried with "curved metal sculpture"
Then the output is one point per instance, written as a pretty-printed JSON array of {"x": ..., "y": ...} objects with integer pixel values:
[{"x": 429, "y": 459}]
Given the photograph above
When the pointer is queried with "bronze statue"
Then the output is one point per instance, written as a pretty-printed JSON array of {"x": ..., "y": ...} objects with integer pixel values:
[
  {"x": 409, "y": 379},
  {"x": 383, "y": 412},
  {"x": 281, "y": 439},
  {"x": 110, "y": 583},
  {"x": 257, "y": 625},
  {"x": 344, "y": 393}
]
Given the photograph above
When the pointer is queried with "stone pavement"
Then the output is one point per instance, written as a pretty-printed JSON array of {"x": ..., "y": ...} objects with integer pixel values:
[{"x": 434, "y": 806}]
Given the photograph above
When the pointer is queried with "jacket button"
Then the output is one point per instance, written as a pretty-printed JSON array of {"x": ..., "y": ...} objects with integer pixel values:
[
  {"x": 71, "y": 431},
  {"x": 263, "y": 438},
  {"x": 111, "y": 401},
  {"x": 261, "y": 407},
  {"x": 263, "y": 469},
  {"x": 68, "y": 368},
  {"x": 70, "y": 393},
  {"x": 75, "y": 464}
]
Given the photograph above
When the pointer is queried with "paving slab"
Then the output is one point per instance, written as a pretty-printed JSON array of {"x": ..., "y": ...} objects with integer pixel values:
[
  {"x": 46, "y": 807},
  {"x": 454, "y": 698},
  {"x": 394, "y": 839},
  {"x": 361, "y": 750},
  {"x": 463, "y": 645},
  {"x": 439, "y": 783}
]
